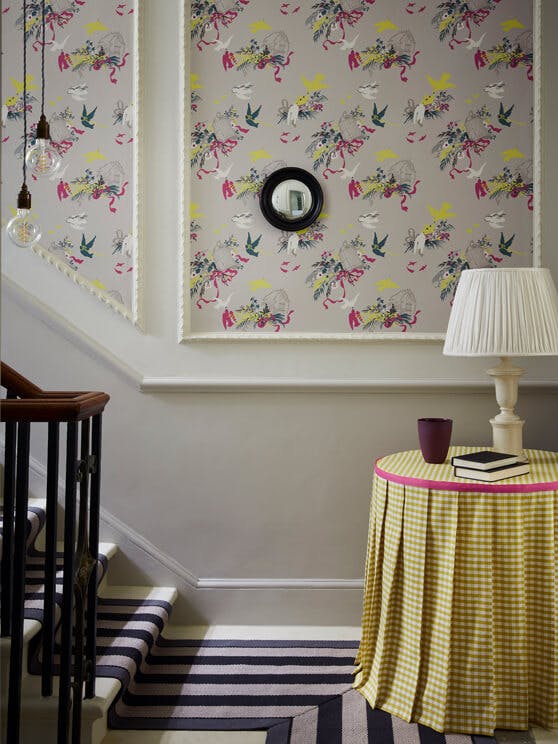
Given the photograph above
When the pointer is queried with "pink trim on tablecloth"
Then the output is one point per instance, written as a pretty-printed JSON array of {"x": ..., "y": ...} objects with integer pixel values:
[{"x": 466, "y": 486}]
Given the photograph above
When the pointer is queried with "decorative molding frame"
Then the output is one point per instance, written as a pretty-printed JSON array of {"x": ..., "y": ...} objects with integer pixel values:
[
  {"x": 136, "y": 314},
  {"x": 184, "y": 305},
  {"x": 243, "y": 385}
]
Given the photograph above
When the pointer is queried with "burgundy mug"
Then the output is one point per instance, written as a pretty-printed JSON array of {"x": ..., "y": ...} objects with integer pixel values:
[{"x": 434, "y": 437}]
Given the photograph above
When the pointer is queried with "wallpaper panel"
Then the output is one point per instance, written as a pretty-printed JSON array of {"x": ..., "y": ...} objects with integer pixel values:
[
  {"x": 416, "y": 118},
  {"x": 86, "y": 210}
]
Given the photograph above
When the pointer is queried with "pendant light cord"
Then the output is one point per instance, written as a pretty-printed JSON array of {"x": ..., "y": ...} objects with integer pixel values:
[
  {"x": 43, "y": 60},
  {"x": 24, "y": 92}
]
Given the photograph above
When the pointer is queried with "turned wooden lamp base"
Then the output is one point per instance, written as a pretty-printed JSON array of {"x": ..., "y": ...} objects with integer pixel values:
[{"x": 507, "y": 427}]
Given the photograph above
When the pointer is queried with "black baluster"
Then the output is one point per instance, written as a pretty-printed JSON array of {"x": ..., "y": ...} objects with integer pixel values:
[
  {"x": 94, "y": 507},
  {"x": 20, "y": 552},
  {"x": 64, "y": 704},
  {"x": 83, "y": 561},
  {"x": 8, "y": 527},
  {"x": 50, "y": 557}
]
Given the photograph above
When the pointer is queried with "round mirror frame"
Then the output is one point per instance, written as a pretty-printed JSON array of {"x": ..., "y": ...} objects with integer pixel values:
[{"x": 286, "y": 174}]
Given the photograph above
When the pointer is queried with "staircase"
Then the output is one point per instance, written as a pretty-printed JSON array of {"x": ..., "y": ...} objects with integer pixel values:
[{"x": 129, "y": 620}]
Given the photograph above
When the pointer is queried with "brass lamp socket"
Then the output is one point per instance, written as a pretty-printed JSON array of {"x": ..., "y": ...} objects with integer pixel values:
[
  {"x": 43, "y": 128},
  {"x": 24, "y": 198}
]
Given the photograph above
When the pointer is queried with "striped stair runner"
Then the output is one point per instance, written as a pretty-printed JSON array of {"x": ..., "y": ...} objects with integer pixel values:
[{"x": 300, "y": 692}]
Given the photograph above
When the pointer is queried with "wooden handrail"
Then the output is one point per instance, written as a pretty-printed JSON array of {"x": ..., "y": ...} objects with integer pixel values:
[{"x": 35, "y": 404}]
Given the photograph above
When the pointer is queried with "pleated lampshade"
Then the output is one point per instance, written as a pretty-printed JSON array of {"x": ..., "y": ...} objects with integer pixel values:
[{"x": 504, "y": 312}]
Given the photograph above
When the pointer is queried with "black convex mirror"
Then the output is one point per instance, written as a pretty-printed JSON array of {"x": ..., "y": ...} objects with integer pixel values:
[{"x": 291, "y": 199}]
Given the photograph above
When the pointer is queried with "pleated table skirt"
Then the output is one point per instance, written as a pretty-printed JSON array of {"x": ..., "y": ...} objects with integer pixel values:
[{"x": 460, "y": 618}]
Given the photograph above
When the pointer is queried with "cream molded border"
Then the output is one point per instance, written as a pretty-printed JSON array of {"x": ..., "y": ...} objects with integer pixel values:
[
  {"x": 184, "y": 305},
  {"x": 160, "y": 384},
  {"x": 135, "y": 314}
]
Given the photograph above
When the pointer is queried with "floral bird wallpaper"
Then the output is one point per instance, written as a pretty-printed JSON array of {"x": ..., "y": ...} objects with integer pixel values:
[
  {"x": 86, "y": 210},
  {"x": 417, "y": 120}
]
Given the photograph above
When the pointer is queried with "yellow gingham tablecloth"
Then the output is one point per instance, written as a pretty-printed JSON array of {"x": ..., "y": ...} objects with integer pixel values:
[{"x": 460, "y": 618}]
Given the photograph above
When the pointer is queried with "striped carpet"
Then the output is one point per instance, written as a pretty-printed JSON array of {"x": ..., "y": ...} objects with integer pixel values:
[{"x": 298, "y": 691}]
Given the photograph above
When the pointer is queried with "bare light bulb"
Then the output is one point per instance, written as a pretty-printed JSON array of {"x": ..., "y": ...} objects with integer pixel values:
[
  {"x": 42, "y": 159},
  {"x": 22, "y": 229}
]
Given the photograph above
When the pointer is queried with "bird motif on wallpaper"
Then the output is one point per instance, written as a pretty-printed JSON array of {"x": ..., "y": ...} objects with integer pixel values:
[
  {"x": 378, "y": 116},
  {"x": 85, "y": 246},
  {"x": 504, "y": 245},
  {"x": 369, "y": 90},
  {"x": 369, "y": 220},
  {"x": 504, "y": 116},
  {"x": 77, "y": 221},
  {"x": 243, "y": 91},
  {"x": 252, "y": 116},
  {"x": 243, "y": 220},
  {"x": 496, "y": 90},
  {"x": 495, "y": 219},
  {"x": 251, "y": 245},
  {"x": 378, "y": 245},
  {"x": 87, "y": 118},
  {"x": 78, "y": 92}
]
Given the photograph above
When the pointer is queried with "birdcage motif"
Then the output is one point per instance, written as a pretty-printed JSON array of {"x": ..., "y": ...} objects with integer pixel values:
[
  {"x": 58, "y": 128},
  {"x": 223, "y": 128},
  {"x": 349, "y": 257},
  {"x": 404, "y": 302},
  {"x": 113, "y": 44},
  {"x": 474, "y": 125},
  {"x": 403, "y": 171},
  {"x": 112, "y": 173},
  {"x": 222, "y": 257},
  {"x": 278, "y": 302},
  {"x": 348, "y": 127},
  {"x": 524, "y": 41},
  {"x": 476, "y": 255},
  {"x": 525, "y": 171},
  {"x": 272, "y": 167},
  {"x": 403, "y": 42},
  {"x": 277, "y": 43}
]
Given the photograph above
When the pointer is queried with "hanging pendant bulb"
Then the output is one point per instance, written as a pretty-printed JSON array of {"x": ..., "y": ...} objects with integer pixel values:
[
  {"x": 42, "y": 158},
  {"x": 22, "y": 229}
]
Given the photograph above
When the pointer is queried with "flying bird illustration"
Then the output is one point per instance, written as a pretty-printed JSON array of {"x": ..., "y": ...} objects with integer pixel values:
[
  {"x": 220, "y": 173},
  {"x": 243, "y": 91},
  {"x": 85, "y": 247},
  {"x": 496, "y": 90},
  {"x": 346, "y": 45},
  {"x": 420, "y": 242},
  {"x": 505, "y": 245},
  {"x": 87, "y": 118},
  {"x": 495, "y": 219},
  {"x": 369, "y": 220},
  {"x": 222, "y": 45},
  {"x": 243, "y": 220},
  {"x": 219, "y": 303},
  {"x": 472, "y": 173},
  {"x": 77, "y": 221},
  {"x": 504, "y": 116},
  {"x": 251, "y": 116},
  {"x": 377, "y": 116},
  {"x": 345, "y": 173},
  {"x": 78, "y": 92},
  {"x": 251, "y": 245},
  {"x": 418, "y": 114},
  {"x": 377, "y": 245},
  {"x": 472, "y": 44},
  {"x": 347, "y": 304},
  {"x": 292, "y": 114},
  {"x": 58, "y": 46},
  {"x": 369, "y": 91}
]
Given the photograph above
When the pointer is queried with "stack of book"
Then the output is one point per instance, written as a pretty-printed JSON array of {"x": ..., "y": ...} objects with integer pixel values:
[{"x": 489, "y": 466}]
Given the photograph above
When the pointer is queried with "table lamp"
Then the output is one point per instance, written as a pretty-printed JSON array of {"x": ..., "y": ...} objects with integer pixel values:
[{"x": 505, "y": 313}]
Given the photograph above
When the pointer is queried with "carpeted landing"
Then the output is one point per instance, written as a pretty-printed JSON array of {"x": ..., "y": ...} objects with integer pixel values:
[{"x": 300, "y": 692}]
